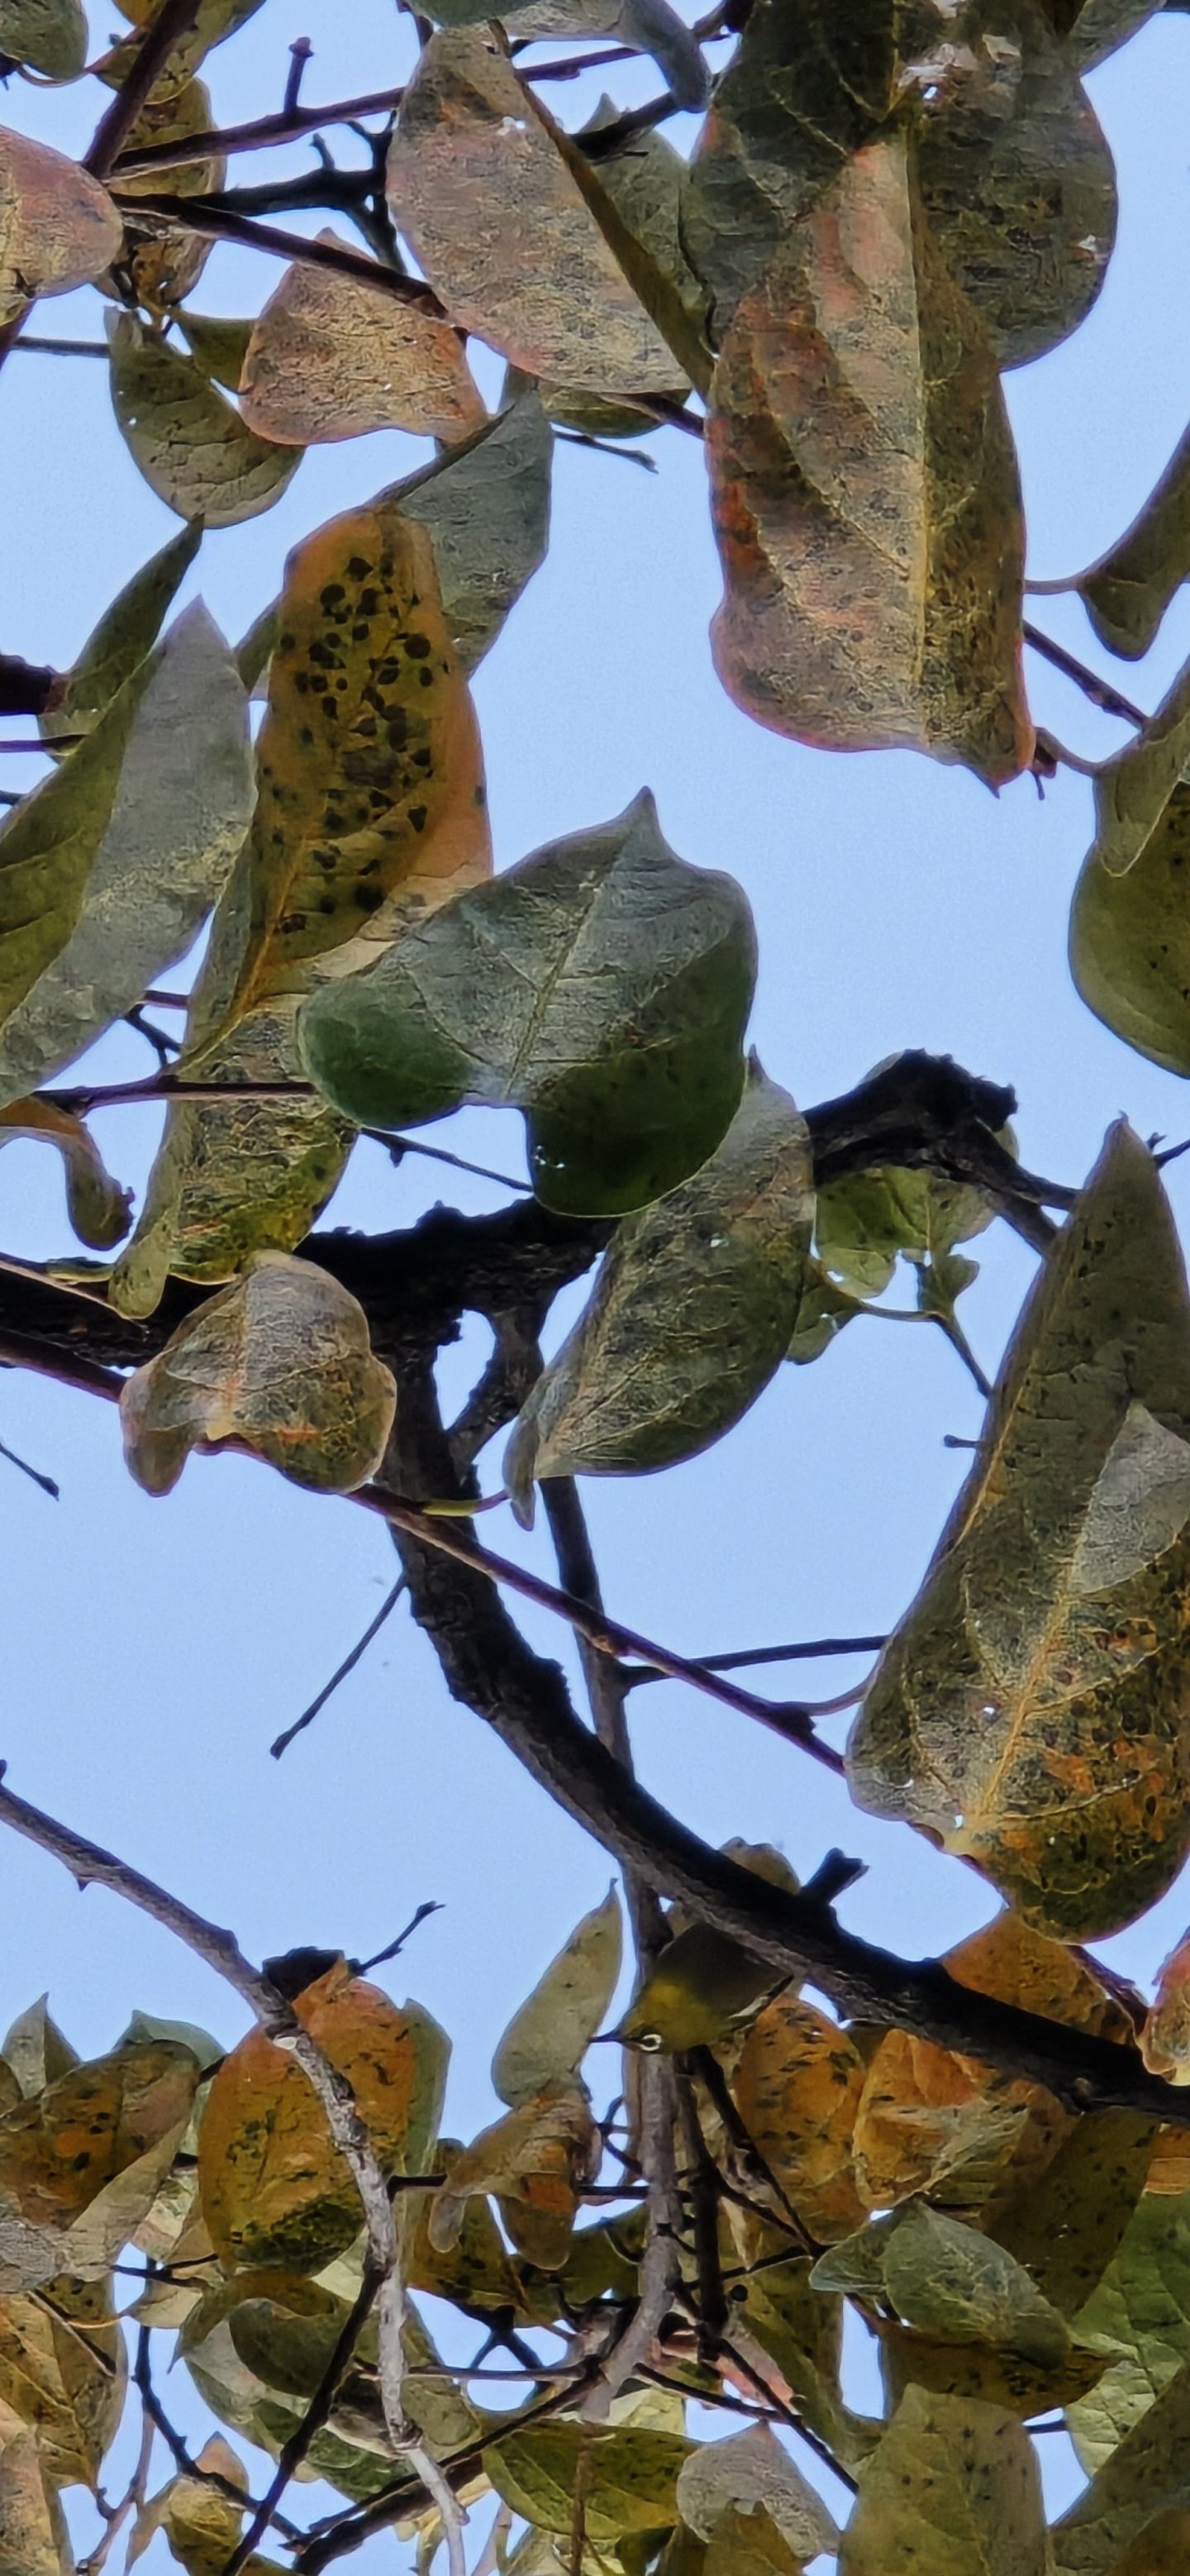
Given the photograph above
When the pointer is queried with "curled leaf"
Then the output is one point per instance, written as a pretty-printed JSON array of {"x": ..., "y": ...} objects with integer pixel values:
[
  {"x": 1127, "y": 592},
  {"x": 126, "y": 632},
  {"x": 1129, "y": 941},
  {"x": 534, "y": 2162},
  {"x": 547, "y": 2040},
  {"x": 99, "y": 1207}
]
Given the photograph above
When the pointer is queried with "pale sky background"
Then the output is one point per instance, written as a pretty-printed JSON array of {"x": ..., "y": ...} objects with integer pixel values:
[{"x": 154, "y": 1649}]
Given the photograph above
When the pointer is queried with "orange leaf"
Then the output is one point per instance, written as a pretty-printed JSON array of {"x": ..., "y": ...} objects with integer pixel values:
[{"x": 798, "y": 2086}]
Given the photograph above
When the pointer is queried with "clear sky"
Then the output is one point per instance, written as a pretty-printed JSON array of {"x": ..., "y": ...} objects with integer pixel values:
[{"x": 153, "y": 1649}]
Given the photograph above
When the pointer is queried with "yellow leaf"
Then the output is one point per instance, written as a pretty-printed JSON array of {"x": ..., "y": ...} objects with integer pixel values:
[{"x": 798, "y": 2087}]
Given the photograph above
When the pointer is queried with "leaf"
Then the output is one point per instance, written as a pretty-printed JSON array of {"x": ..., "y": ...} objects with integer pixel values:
[
  {"x": 58, "y": 227},
  {"x": 333, "y": 357},
  {"x": 703, "y": 1987},
  {"x": 798, "y": 2086},
  {"x": 47, "y": 36},
  {"x": 1027, "y": 1711},
  {"x": 534, "y": 2162},
  {"x": 1129, "y": 947},
  {"x": 1021, "y": 2386},
  {"x": 631, "y": 2477},
  {"x": 953, "y": 2281},
  {"x": 486, "y": 504},
  {"x": 750, "y": 2472},
  {"x": 646, "y": 182},
  {"x": 281, "y": 1361},
  {"x": 1160, "y": 2549},
  {"x": 534, "y": 275},
  {"x": 274, "y": 2188},
  {"x": 1165, "y": 2038},
  {"x": 1096, "y": 27},
  {"x": 209, "y": 24},
  {"x": 192, "y": 447},
  {"x": 691, "y": 1313},
  {"x": 474, "y": 2272},
  {"x": 1139, "y": 2315},
  {"x": 650, "y": 26},
  {"x": 863, "y": 1222},
  {"x": 164, "y": 265},
  {"x": 1148, "y": 2475},
  {"x": 602, "y": 987},
  {"x": 126, "y": 632},
  {"x": 219, "y": 346},
  {"x": 749, "y": 2544},
  {"x": 33, "y": 2535},
  {"x": 952, "y": 2490},
  {"x": 59, "y": 2150},
  {"x": 547, "y": 2040},
  {"x": 200, "y": 2521},
  {"x": 63, "y": 2370},
  {"x": 865, "y": 491},
  {"x": 108, "y": 867},
  {"x": 1126, "y": 593},
  {"x": 36, "y": 2050},
  {"x": 1016, "y": 176},
  {"x": 1066, "y": 2226},
  {"x": 99, "y": 1207}
]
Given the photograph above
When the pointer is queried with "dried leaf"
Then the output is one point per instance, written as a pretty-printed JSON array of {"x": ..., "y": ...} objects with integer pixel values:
[
  {"x": 486, "y": 505},
  {"x": 99, "y": 1207},
  {"x": 36, "y": 2050},
  {"x": 192, "y": 447},
  {"x": 126, "y": 632},
  {"x": 63, "y": 2370},
  {"x": 691, "y": 1313},
  {"x": 499, "y": 225},
  {"x": 33, "y": 2535},
  {"x": 751, "y": 2472},
  {"x": 631, "y": 2477},
  {"x": 58, "y": 227},
  {"x": 163, "y": 266},
  {"x": 274, "y": 2188},
  {"x": 47, "y": 36},
  {"x": 1129, "y": 944},
  {"x": 547, "y": 2040},
  {"x": 1139, "y": 2315},
  {"x": 59, "y": 2150},
  {"x": 108, "y": 867},
  {"x": 602, "y": 986},
  {"x": 1029, "y": 1710},
  {"x": 1127, "y": 592},
  {"x": 865, "y": 492},
  {"x": 281, "y": 1361},
  {"x": 534, "y": 2162},
  {"x": 952, "y": 2490},
  {"x": 1148, "y": 2475},
  {"x": 333, "y": 357},
  {"x": 798, "y": 2086},
  {"x": 208, "y": 24}
]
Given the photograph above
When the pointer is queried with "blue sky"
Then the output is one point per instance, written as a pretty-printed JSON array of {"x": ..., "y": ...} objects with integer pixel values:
[{"x": 153, "y": 1649}]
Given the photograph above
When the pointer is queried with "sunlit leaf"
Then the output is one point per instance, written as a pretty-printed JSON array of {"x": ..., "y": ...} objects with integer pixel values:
[
  {"x": 475, "y": 2271},
  {"x": 192, "y": 447},
  {"x": 108, "y": 867},
  {"x": 1129, "y": 941},
  {"x": 863, "y": 1222},
  {"x": 1019, "y": 2383},
  {"x": 58, "y": 227},
  {"x": 98, "y": 1205},
  {"x": 865, "y": 490},
  {"x": 691, "y": 1313},
  {"x": 953, "y": 2281},
  {"x": 163, "y": 265},
  {"x": 631, "y": 2477},
  {"x": 535, "y": 277},
  {"x": 952, "y": 2490},
  {"x": 534, "y": 2162},
  {"x": 33, "y": 2537},
  {"x": 126, "y": 632},
  {"x": 280, "y": 1360},
  {"x": 547, "y": 2040},
  {"x": 751, "y": 2472},
  {"x": 60, "y": 2149},
  {"x": 332, "y": 357},
  {"x": 274, "y": 2187},
  {"x": 1028, "y": 1710},
  {"x": 1128, "y": 591},
  {"x": 1067, "y": 2223},
  {"x": 601, "y": 986},
  {"x": 1148, "y": 2475},
  {"x": 1140, "y": 2314},
  {"x": 63, "y": 2370},
  {"x": 798, "y": 2086},
  {"x": 487, "y": 508},
  {"x": 48, "y": 36}
]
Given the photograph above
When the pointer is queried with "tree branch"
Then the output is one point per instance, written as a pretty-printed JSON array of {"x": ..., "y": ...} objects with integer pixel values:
[
  {"x": 174, "y": 20},
  {"x": 1100, "y": 692},
  {"x": 287, "y": 126}
]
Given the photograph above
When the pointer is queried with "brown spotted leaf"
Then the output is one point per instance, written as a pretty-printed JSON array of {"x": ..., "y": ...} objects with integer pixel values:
[
  {"x": 332, "y": 357},
  {"x": 1127, "y": 592},
  {"x": 534, "y": 2163},
  {"x": 1146, "y": 2476},
  {"x": 1165, "y": 2039},
  {"x": 500, "y": 226},
  {"x": 192, "y": 447},
  {"x": 1031, "y": 1710},
  {"x": 1021, "y": 2385},
  {"x": 62, "y": 2148},
  {"x": 279, "y": 1361},
  {"x": 952, "y": 2490},
  {"x": 798, "y": 2086},
  {"x": 33, "y": 2536},
  {"x": 865, "y": 490},
  {"x": 274, "y": 2188},
  {"x": 58, "y": 227}
]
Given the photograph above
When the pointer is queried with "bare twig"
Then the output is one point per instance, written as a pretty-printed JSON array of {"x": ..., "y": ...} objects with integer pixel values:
[
  {"x": 1100, "y": 692},
  {"x": 183, "y": 2459},
  {"x": 34, "y": 1473},
  {"x": 300, "y": 52},
  {"x": 130, "y": 2502},
  {"x": 807, "y": 1650},
  {"x": 360, "y": 1648},
  {"x": 40, "y": 346},
  {"x": 182, "y": 214},
  {"x": 285, "y": 127}
]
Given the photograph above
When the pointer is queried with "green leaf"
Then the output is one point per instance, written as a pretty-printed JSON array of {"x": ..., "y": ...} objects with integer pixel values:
[
  {"x": 691, "y": 1313},
  {"x": 1129, "y": 935},
  {"x": 651, "y": 26},
  {"x": 1066, "y": 2224},
  {"x": 1127, "y": 592},
  {"x": 1022, "y": 2386},
  {"x": 281, "y": 1361},
  {"x": 48, "y": 36},
  {"x": 955, "y": 2282},
  {"x": 486, "y": 504},
  {"x": 631, "y": 2477},
  {"x": 1140, "y": 2315},
  {"x": 862, "y": 1223},
  {"x": 108, "y": 867},
  {"x": 1095, "y": 27},
  {"x": 126, "y": 632},
  {"x": 58, "y": 227},
  {"x": 952, "y": 2490},
  {"x": 602, "y": 987},
  {"x": 547, "y": 2040},
  {"x": 333, "y": 356},
  {"x": 1052, "y": 1615},
  {"x": 752, "y": 2473},
  {"x": 192, "y": 447},
  {"x": 98, "y": 1205},
  {"x": 1148, "y": 2475},
  {"x": 534, "y": 276},
  {"x": 218, "y": 344}
]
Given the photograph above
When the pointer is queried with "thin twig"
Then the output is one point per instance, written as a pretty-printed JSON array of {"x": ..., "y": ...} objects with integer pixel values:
[
  {"x": 360, "y": 1648},
  {"x": 183, "y": 2459},
  {"x": 47, "y": 348},
  {"x": 300, "y": 52},
  {"x": 130, "y": 2502},
  {"x": 1100, "y": 692},
  {"x": 34, "y": 1473},
  {"x": 174, "y": 20},
  {"x": 807, "y": 1650},
  {"x": 393, "y": 1949},
  {"x": 398, "y": 1146}
]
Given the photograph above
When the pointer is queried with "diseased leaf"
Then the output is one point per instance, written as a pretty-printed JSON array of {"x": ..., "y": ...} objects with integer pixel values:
[
  {"x": 59, "y": 2150},
  {"x": 1029, "y": 1711},
  {"x": 1020, "y": 2385},
  {"x": 955, "y": 2282},
  {"x": 274, "y": 2188},
  {"x": 333, "y": 357},
  {"x": 48, "y": 36},
  {"x": 534, "y": 2162},
  {"x": 631, "y": 2477},
  {"x": 108, "y": 867},
  {"x": 1148, "y": 2475},
  {"x": 280, "y": 1360},
  {"x": 499, "y": 225},
  {"x": 602, "y": 986},
  {"x": 164, "y": 265},
  {"x": 865, "y": 492},
  {"x": 33, "y": 2537},
  {"x": 1127, "y": 592},
  {"x": 126, "y": 632},
  {"x": 192, "y": 447},
  {"x": 1129, "y": 941},
  {"x": 547, "y": 2040},
  {"x": 798, "y": 2086},
  {"x": 691, "y": 1313},
  {"x": 63, "y": 2370},
  {"x": 99, "y": 1207},
  {"x": 952, "y": 2490},
  {"x": 58, "y": 227},
  {"x": 486, "y": 505},
  {"x": 1139, "y": 2315},
  {"x": 751, "y": 2472},
  {"x": 646, "y": 182}
]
